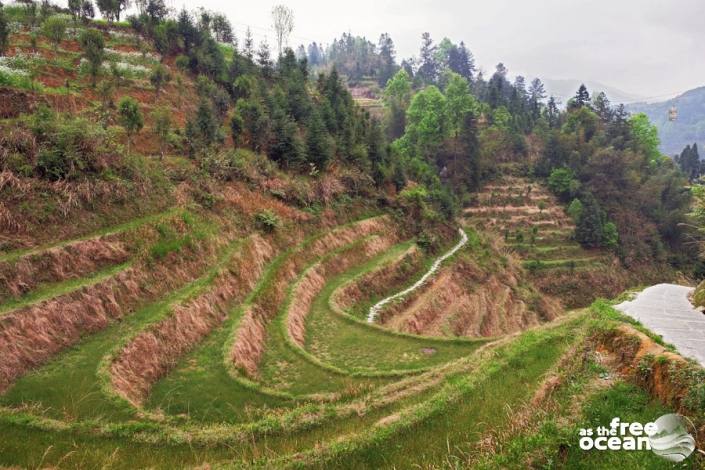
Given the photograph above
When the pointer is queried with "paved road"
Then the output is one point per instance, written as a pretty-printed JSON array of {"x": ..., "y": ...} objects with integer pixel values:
[{"x": 666, "y": 310}]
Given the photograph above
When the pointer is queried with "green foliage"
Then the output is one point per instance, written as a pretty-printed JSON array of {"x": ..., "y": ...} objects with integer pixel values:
[
  {"x": 159, "y": 77},
  {"x": 4, "y": 32},
  {"x": 575, "y": 209},
  {"x": 589, "y": 230},
  {"x": 267, "y": 220},
  {"x": 583, "y": 123},
  {"x": 646, "y": 136},
  {"x": 203, "y": 129},
  {"x": 112, "y": 9},
  {"x": 426, "y": 126},
  {"x": 65, "y": 147},
  {"x": 130, "y": 117},
  {"x": 397, "y": 96},
  {"x": 169, "y": 242},
  {"x": 162, "y": 127},
  {"x": 610, "y": 235},
  {"x": 459, "y": 103},
  {"x": 563, "y": 184},
  {"x": 250, "y": 124},
  {"x": 54, "y": 29},
  {"x": 93, "y": 47},
  {"x": 286, "y": 147},
  {"x": 319, "y": 147}
]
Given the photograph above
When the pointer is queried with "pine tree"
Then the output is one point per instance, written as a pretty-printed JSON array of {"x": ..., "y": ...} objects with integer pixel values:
[
  {"x": 318, "y": 142},
  {"x": 497, "y": 87},
  {"x": 602, "y": 106},
  {"x": 537, "y": 93},
  {"x": 314, "y": 54},
  {"x": 462, "y": 62},
  {"x": 428, "y": 68},
  {"x": 4, "y": 33},
  {"x": 264, "y": 59},
  {"x": 286, "y": 147},
  {"x": 387, "y": 55},
  {"x": 249, "y": 45},
  {"x": 552, "y": 112},
  {"x": 589, "y": 229},
  {"x": 202, "y": 130},
  {"x": 582, "y": 97}
]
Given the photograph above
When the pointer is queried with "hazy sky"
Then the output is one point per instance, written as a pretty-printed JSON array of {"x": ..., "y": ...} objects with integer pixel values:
[{"x": 646, "y": 47}]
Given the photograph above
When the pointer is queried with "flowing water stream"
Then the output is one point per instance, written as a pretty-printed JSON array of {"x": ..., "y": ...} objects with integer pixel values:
[{"x": 376, "y": 308}]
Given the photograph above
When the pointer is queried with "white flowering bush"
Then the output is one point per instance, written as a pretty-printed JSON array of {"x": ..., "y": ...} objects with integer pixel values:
[
  {"x": 129, "y": 70},
  {"x": 131, "y": 57}
]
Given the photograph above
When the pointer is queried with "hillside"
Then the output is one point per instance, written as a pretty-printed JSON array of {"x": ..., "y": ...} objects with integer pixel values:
[
  {"x": 197, "y": 242},
  {"x": 689, "y": 127}
]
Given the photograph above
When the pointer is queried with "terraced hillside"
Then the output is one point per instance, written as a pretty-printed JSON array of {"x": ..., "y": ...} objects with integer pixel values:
[
  {"x": 534, "y": 226},
  {"x": 204, "y": 296},
  {"x": 182, "y": 339}
]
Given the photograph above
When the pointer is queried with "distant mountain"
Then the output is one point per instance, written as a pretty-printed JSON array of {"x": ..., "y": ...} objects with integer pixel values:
[
  {"x": 566, "y": 89},
  {"x": 689, "y": 127}
]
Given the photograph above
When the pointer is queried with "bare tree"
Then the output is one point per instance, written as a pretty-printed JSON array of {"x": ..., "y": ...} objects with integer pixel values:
[{"x": 283, "y": 18}]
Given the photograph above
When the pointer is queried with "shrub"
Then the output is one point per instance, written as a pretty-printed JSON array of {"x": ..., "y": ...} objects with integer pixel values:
[
  {"x": 67, "y": 146},
  {"x": 130, "y": 118},
  {"x": 54, "y": 28},
  {"x": 610, "y": 235},
  {"x": 267, "y": 220},
  {"x": 575, "y": 210},
  {"x": 534, "y": 265},
  {"x": 160, "y": 76},
  {"x": 182, "y": 62},
  {"x": 93, "y": 47},
  {"x": 563, "y": 183}
]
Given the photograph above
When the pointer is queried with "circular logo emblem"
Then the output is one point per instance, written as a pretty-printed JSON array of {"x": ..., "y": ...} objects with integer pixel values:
[{"x": 672, "y": 440}]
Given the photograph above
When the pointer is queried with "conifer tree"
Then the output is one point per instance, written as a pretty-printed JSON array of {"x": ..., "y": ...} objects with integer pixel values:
[
  {"x": 318, "y": 144},
  {"x": 589, "y": 229},
  {"x": 4, "y": 33}
]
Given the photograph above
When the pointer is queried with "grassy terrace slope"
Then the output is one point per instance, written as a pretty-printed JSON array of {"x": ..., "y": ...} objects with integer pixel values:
[
  {"x": 327, "y": 390},
  {"x": 534, "y": 225}
]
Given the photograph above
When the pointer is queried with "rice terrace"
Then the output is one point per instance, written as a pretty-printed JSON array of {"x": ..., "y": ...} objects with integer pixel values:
[{"x": 218, "y": 251}]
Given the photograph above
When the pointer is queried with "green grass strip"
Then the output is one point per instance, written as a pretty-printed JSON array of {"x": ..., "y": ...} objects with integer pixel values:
[
  {"x": 124, "y": 227},
  {"x": 51, "y": 290}
]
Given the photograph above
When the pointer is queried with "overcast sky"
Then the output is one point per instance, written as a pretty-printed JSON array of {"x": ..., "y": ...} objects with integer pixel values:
[{"x": 646, "y": 47}]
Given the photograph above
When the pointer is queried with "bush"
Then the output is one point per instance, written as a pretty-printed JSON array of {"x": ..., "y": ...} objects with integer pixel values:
[
  {"x": 563, "y": 184},
  {"x": 575, "y": 210},
  {"x": 534, "y": 265},
  {"x": 182, "y": 62},
  {"x": 54, "y": 29},
  {"x": 68, "y": 147},
  {"x": 267, "y": 220}
]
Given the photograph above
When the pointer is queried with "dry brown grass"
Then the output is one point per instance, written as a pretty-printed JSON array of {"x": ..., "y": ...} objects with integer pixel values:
[
  {"x": 59, "y": 264},
  {"x": 152, "y": 353},
  {"x": 315, "y": 279},
  {"x": 248, "y": 347},
  {"x": 464, "y": 300},
  {"x": 378, "y": 281},
  {"x": 30, "y": 336}
]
